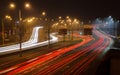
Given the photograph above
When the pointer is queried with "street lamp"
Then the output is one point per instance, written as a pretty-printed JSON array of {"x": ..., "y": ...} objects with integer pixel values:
[
  {"x": 43, "y": 13},
  {"x": 3, "y": 30},
  {"x": 27, "y": 5},
  {"x": 67, "y": 17},
  {"x": 12, "y": 5},
  {"x": 68, "y": 21},
  {"x": 30, "y": 21},
  {"x": 46, "y": 20},
  {"x": 8, "y": 17},
  {"x": 59, "y": 17},
  {"x": 3, "y": 33}
]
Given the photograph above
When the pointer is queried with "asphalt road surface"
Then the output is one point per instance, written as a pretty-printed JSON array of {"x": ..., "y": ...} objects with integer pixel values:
[{"x": 78, "y": 59}]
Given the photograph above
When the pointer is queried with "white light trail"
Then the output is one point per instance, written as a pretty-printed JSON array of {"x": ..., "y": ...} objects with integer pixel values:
[{"x": 31, "y": 43}]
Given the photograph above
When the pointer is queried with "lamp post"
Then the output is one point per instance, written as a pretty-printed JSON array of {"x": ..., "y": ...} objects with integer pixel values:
[
  {"x": 3, "y": 38},
  {"x": 48, "y": 27},
  {"x": 48, "y": 36},
  {"x": 3, "y": 29},
  {"x": 12, "y": 6},
  {"x": 20, "y": 34},
  {"x": 69, "y": 23},
  {"x": 46, "y": 20},
  {"x": 74, "y": 23}
]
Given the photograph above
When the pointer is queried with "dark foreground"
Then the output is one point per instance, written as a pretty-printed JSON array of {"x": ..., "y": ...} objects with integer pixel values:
[{"x": 110, "y": 64}]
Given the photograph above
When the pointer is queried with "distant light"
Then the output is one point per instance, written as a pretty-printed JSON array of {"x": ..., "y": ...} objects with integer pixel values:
[
  {"x": 69, "y": 20},
  {"x": 67, "y": 17},
  {"x": 30, "y": 20},
  {"x": 8, "y": 17},
  {"x": 106, "y": 23},
  {"x": 75, "y": 20},
  {"x": 81, "y": 33},
  {"x": 43, "y": 13},
  {"x": 59, "y": 17},
  {"x": 17, "y": 22},
  {"x": 27, "y": 5},
  {"x": 82, "y": 23},
  {"x": 109, "y": 17},
  {"x": 12, "y": 5}
]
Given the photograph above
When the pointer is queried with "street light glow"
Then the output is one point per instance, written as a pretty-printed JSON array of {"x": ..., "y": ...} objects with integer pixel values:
[
  {"x": 31, "y": 19},
  {"x": 75, "y": 20},
  {"x": 27, "y": 5},
  {"x": 8, "y": 17},
  {"x": 12, "y": 5},
  {"x": 43, "y": 13},
  {"x": 59, "y": 17},
  {"x": 69, "y": 20},
  {"x": 67, "y": 17}
]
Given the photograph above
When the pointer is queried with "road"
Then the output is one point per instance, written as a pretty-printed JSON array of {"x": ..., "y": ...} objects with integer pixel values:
[{"x": 72, "y": 60}]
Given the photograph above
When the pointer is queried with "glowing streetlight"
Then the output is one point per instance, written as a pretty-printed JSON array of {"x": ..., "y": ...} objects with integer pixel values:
[
  {"x": 30, "y": 20},
  {"x": 27, "y": 5},
  {"x": 43, "y": 13},
  {"x": 12, "y": 5},
  {"x": 59, "y": 17},
  {"x": 69, "y": 20},
  {"x": 67, "y": 17},
  {"x": 8, "y": 17},
  {"x": 75, "y": 20}
]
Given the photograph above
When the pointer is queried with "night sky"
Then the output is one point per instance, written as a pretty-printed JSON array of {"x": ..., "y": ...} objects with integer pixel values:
[{"x": 83, "y": 9}]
